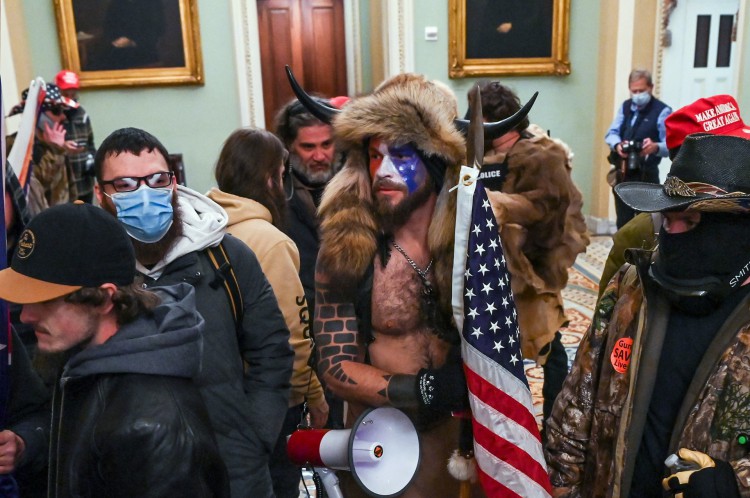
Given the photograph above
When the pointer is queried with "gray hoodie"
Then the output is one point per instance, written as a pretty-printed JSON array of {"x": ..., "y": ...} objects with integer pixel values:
[{"x": 170, "y": 343}]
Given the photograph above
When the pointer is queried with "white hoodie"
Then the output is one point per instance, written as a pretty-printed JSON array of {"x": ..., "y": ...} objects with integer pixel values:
[{"x": 203, "y": 225}]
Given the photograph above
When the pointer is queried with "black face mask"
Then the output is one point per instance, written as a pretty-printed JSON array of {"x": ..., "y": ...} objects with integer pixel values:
[{"x": 702, "y": 266}]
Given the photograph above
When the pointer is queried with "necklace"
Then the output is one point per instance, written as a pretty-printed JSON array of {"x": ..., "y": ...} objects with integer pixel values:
[{"x": 422, "y": 273}]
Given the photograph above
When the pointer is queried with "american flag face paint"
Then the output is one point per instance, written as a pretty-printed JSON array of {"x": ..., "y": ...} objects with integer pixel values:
[{"x": 399, "y": 164}]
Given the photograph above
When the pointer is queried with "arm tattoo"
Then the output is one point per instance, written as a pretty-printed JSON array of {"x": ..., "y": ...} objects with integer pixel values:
[{"x": 335, "y": 331}]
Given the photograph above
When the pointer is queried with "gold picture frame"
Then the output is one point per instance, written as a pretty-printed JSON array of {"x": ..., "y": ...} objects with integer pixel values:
[
  {"x": 110, "y": 43},
  {"x": 508, "y": 38}
]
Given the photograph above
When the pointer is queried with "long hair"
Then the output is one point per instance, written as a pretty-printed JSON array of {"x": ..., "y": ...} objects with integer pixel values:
[
  {"x": 129, "y": 302},
  {"x": 250, "y": 158}
]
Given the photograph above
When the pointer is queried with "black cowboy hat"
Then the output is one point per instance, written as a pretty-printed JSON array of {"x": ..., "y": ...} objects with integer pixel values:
[{"x": 710, "y": 173}]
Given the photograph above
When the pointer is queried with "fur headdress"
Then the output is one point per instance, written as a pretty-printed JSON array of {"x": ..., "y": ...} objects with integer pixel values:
[{"x": 404, "y": 109}]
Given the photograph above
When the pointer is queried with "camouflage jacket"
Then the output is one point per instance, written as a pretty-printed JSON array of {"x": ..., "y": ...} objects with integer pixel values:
[{"x": 597, "y": 422}]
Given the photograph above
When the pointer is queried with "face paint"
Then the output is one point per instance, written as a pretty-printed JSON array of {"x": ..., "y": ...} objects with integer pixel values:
[{"x": 400, "y": 164}]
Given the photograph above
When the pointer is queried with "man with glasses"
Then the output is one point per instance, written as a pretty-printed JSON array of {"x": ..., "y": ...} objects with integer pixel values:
[{"x": 175, "y": 232}]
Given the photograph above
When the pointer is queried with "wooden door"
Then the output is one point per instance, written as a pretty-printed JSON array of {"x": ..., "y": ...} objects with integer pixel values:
[{"x": 309, "y": 36}]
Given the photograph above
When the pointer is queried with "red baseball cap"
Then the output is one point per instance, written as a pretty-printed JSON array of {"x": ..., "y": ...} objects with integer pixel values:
[
  {"x": 338, "y": 102},
  {"x": 67, "y": 80},
  {"x": 717, "y": 115}
]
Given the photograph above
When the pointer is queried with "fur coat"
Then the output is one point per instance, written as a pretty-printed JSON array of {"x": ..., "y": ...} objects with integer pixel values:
[
  {"x": 543, "y": 230},
  {"x": 406, "y": 109}
]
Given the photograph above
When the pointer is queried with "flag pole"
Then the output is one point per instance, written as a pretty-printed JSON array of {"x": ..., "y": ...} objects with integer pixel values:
[{"x": 462, "y": 464}]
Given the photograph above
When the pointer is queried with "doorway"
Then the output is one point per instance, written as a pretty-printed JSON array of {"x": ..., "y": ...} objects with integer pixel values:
[
  {"x": 702, "y": 57},
  {"x": 309, "y": 36}
]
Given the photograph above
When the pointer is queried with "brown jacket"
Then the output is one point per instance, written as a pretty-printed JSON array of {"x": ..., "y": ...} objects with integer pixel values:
[
  {"x": 542, "y": 230},
  {"x": 597, "y": 422}
]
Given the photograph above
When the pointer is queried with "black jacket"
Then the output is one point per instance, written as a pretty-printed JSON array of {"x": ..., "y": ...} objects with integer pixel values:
[
  {"x": 127, "y": 419},
  {"x": 247, "y": 407},
  {"x": 28, "y": 415},
  {"x": 302, "y": 228}
]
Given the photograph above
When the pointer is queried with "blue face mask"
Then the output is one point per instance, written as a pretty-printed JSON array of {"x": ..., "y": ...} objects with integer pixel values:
[
  {"x": 145, "y": 213},
  {"x": 640, "y": 99}
]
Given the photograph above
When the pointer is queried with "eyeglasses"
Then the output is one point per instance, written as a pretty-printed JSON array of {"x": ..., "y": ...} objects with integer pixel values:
[
  {"x": 162, "y": 179},
  {"x": 56, "y": 110}
]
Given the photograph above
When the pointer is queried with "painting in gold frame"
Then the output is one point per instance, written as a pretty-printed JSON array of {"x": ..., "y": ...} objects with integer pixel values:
[
  {"x": 508, "y": 37},
  {"x": 120, "y": 43}
]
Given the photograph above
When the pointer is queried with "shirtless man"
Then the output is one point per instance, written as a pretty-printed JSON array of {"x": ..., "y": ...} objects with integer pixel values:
[{"x": 383, "y": 325}]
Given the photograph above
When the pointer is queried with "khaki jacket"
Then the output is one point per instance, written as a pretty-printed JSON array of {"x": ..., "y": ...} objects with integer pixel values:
[
  {"x": 250, "y": 222},
  {"x": 597, "y": 421}
]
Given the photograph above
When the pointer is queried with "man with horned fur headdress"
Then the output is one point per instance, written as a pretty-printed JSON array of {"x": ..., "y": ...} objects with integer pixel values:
[{"x": 383, "y": 325}]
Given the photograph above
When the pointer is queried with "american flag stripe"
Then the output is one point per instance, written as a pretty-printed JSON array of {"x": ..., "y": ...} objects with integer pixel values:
[
  {"x": 507, "y": 444},
  {"x": 509, "y": 453},
  {"x": 501, "y": 398},
  {"x": 506, "y": 430},
  {"x": 517, "y": 485}
]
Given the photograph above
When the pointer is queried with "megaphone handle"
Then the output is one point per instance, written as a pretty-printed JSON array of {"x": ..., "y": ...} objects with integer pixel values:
[{"x": 330, "y": 482}]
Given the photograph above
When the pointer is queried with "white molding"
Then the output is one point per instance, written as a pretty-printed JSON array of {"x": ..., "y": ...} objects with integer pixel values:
[
  {"x": 739, "y": 43},
  {"x": 624, "y": 56},
  {"x": 247, "y": 60},
  {"x": 11, "y": 93},
  {"x": 353, "y": 37},
  {"x": 399, "y": 36}
]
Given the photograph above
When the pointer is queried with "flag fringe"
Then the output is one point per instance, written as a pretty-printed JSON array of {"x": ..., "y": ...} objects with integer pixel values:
[{"x": 463, "y": 466}]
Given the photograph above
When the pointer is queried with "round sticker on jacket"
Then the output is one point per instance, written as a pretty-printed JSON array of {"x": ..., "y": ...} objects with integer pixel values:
[{"x": 620, "y": 357}]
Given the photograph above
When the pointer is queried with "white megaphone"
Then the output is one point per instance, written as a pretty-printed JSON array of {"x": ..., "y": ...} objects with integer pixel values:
[{"x": 381, "y": 450}]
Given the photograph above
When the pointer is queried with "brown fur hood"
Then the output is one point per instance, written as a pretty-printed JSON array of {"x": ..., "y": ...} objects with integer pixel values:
[{"x": 404, "y": 109}]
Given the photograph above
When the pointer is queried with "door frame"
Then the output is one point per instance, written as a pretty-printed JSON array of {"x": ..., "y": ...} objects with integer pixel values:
[{"x": 398, "y": 36}]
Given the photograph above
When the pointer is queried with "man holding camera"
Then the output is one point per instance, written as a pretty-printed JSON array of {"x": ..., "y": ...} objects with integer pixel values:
[{"x": 637, "y": 138}]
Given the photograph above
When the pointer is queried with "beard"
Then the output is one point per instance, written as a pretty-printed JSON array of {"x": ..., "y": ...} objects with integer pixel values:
[
  {"x": 312, "y": 178},
  {"x": 150, "y": 254},
  {"x": 392, "y": 216}
]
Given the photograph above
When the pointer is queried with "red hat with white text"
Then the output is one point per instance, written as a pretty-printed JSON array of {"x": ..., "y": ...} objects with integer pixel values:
[{"x": 717, "y": 115}]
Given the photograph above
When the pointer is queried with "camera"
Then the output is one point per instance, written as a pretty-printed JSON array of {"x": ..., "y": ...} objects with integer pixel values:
[{"x": 632, "y": 148}]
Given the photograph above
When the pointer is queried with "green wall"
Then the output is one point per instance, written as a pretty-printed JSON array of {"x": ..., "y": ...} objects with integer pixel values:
[
  {"x": 565, "y": 105},
  {"x": 191, "y": 120}
]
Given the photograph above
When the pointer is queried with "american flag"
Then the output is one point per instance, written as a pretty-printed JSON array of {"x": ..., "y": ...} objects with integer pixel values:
[
  {"x": 5, "y": 337},
  {"x": 507, "y": 444}
]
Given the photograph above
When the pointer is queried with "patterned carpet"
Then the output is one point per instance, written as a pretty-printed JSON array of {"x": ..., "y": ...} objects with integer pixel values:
[{"x": 580, "y": 299}]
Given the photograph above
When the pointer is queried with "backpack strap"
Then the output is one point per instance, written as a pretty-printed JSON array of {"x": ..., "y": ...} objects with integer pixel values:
[{"x": 226, "y": 276}]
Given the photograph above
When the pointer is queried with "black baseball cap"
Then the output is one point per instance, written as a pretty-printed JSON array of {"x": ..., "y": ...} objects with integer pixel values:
[{"x": 65, "y": 248}]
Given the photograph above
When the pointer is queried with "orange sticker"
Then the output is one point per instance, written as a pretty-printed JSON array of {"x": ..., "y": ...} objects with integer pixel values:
[{"x": 620, "y": 357}]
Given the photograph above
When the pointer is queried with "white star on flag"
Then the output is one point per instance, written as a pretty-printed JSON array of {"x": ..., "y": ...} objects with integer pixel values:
[{"x": 507, "y": 444}]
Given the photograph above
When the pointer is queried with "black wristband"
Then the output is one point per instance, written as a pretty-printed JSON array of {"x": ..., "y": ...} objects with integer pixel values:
[{"x": 402, "y": 391}]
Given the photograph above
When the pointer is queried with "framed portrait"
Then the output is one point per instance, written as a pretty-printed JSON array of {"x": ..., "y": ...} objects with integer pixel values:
[
  {"x": 508, "y": 37},
  {"x": 116, "y": 43}
]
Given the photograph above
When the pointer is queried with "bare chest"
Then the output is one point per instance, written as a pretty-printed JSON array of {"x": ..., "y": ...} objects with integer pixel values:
[
  {"x": 397, "y": 294},
  {"x": 403, "y": 343}
]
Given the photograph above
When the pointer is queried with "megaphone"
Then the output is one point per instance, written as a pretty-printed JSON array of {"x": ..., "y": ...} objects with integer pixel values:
[{"x": 381, "y": 450}]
